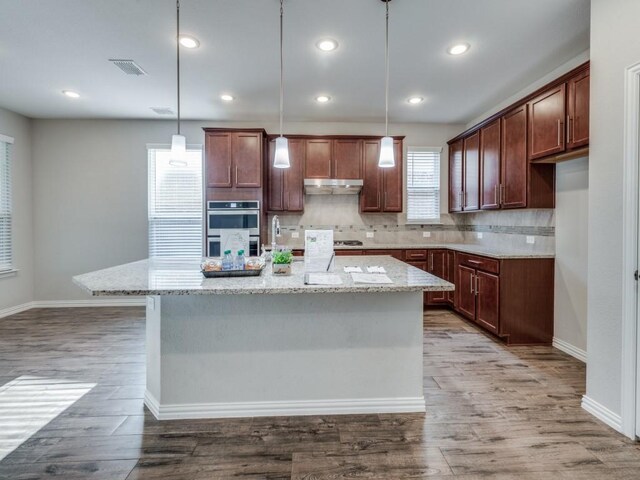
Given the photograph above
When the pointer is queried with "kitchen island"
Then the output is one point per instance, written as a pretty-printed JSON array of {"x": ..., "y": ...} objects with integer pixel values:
[{"x": 267, "y": 345}]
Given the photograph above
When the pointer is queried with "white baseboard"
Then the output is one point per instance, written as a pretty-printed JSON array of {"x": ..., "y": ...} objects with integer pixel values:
[
  {"x": 569, "y": 349},
  {"x": 283, "y": 408},
  {"x": 602, "y": 413},
  {"x": 102, "y": 302}
]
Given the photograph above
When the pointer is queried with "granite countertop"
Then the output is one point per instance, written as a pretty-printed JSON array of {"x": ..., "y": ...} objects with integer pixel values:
[
  {"x": 493, "y": 252},
  {"x": 183, "y": 277}
]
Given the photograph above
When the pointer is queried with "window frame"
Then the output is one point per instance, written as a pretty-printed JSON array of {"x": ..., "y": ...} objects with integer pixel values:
[
  {"x": 154, "y": 148},
  {"x": 11, "y": 269},
  {"x": 423, "y": 221}
]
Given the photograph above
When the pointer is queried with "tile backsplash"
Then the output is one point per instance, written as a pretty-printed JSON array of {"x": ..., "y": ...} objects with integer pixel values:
[{"x": 340, "y": 213}]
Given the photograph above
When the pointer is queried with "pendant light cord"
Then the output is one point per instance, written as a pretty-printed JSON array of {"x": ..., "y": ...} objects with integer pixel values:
[
  {"x": 386, "y": 85},
  {"x": 178, "y": 58},
  {"x": 281, "y": 70}
]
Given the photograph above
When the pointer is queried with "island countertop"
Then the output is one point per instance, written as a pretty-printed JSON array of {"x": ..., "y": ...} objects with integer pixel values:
[{"x": 183, "y": 277}]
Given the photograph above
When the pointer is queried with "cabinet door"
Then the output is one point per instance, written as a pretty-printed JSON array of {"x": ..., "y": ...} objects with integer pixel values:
[
  {"x": 466, "y": 292},
  {"x": 546, "y": 123},
  {"x": 451, "y": 275},
  {"x": 347, "y": 159},
  {"x": 490, "y": 166},
  {"x": 488, "y": 300},
  {"x": 293, "y": 187},
  {"x": 246, "y": 152},
  {"x": 471, "y": 185},
  {"x": 455, "y": 176},
  {"x": 218, "y": 160},
  {"x": 437, "y": 265},
  {"x": 318, "y": 158},
  {"x": 392, "y": 182},
  {"x": 372, "y": 177},
  {"x": 513, "y": 191},
  {"x": 275, "y": 184},
  {"x": 578, "y": 114}
]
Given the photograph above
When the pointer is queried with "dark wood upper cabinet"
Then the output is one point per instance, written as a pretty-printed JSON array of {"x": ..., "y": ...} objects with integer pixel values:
[
  {"x": 285, "y": 191},
  {"x": 246, "y": 152},
  {"x": 471, "y": 187},
  {"x": 578, "y": 110},
  {"x": 392, "y": 183},
  {"x": 318, "y": 158},
  {"x": 218, "y": 159},
  {"x": 234, "y": 159},
  {"x": 490, "y": 166},
  {"x": 370, "y": 200},
  {"x": 347, "y": 159},
  {"x": 546, "y": 123},
  {"x": 513, "y": 193},
  {"x": 455, "y": 175}
]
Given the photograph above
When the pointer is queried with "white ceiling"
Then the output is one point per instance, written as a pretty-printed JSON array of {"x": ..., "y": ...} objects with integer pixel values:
[{"x": 47, "y": 46}]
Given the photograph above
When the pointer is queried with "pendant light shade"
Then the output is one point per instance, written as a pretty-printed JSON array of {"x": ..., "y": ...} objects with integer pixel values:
[
  {"x": 178, "y": 150},
  {"x": 386, "y": 159},
  {"x": 281, "y": 159}
]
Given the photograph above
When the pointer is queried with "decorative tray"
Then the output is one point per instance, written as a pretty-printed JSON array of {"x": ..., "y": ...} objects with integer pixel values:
[{"x": 233, "y": 273}]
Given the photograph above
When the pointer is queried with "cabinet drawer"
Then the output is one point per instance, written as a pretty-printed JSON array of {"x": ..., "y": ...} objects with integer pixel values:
[
  {"x": 481, "y": 263},
  {"x": 346, "y": 253},
  {"x": 415, "y": 255},
  {"x": 397, "y": 254}
]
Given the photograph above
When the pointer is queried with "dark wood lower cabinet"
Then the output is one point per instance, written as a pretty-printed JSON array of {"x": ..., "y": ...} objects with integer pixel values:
[
  {"x": 466, "y": 293},
  {"x": 487, "y": 288},
  {"x": 437, "y": 264}
]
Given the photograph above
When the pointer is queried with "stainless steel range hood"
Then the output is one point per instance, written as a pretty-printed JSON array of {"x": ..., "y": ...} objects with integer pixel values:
[{"x": 326, "y": 186}]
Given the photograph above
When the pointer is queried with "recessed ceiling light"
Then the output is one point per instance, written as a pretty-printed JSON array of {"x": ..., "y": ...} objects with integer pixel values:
[
  {"x": 327, "y": 45},
  {"x": 415, "y": 100},
  {"x": 71, "y": 94},
  {"x": 458, "y": 49},
  {"x": 188, "y": 41},
  {"x": 227, "y": 97},
  {"x": 323, "y": 98}
]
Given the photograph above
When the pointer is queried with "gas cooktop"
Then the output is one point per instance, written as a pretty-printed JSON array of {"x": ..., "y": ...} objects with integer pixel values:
[{"x": 347, "y": 243}]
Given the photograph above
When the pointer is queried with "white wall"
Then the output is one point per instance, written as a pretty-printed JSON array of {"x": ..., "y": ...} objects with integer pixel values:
[
  {"x": 615, "y": 45},
  {"x": 18, "y": 289},
  {"x": 90, "y": 188},
  {"x": 570, "y": 302}
]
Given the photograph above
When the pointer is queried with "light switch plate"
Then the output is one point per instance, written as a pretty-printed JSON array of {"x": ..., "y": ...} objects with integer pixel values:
[
  {"x": 369, "y": 234},
  {"x": 531, "y": 239},
  {"x": 426, "y": 234},
  {"x": 478, "y": 234},
  {"x": 295, "y": 234},
  {"x": 151, "y": 303}
]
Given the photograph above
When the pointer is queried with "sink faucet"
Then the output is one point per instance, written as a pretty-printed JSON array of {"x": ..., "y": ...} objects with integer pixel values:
[{"x": 275, "y": 231}]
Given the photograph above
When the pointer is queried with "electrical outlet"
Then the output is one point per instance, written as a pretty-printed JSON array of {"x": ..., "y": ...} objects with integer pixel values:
[
  {"x": 426, "y": 234},
  {"x": 369, "y": 234},
  {"x": 295, "y": 234},
  {"x": 151, "y": 303},
  {"x": 531, "y": 239},
  {"x": 478, "y": 234}
]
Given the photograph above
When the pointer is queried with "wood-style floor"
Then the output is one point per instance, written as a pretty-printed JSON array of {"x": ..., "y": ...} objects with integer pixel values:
[{"x": 492, "y": 413}]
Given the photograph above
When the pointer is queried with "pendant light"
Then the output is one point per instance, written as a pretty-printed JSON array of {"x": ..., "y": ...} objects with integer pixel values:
[
  {"x": 386, "y": 159},
  {"x": 281, "y": 159},
  {"x": 178, "y": 141}
]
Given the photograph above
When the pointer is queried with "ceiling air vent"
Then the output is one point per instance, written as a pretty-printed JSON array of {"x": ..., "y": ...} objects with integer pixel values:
[
  {"x": 128, "y": 66},
  {"x": 162, "y": 110}
]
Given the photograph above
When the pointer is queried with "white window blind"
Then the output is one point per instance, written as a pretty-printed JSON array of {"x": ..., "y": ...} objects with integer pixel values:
[
  {"x": 423, "y": 184},
  {"x": 175, "y": 204},
  {"x": 6, "y": 239}
]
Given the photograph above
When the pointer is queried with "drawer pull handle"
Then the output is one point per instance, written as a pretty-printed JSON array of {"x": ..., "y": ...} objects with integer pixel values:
[{"x": 475, "y": 262}]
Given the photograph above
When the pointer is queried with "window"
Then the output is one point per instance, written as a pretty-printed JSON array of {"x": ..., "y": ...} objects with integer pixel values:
[
  {"x": 6, "y": 250},
  {"x": 423, "y": 184},
  {"x": 175, "y": 204}
]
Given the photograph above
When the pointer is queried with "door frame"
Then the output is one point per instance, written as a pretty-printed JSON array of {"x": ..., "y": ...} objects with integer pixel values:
[{"x": 630, "y": 414}]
